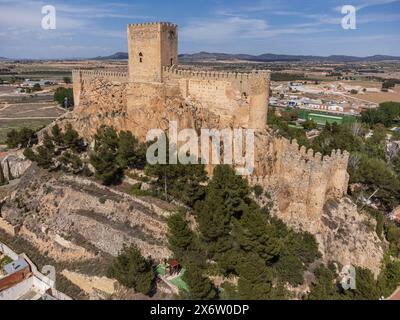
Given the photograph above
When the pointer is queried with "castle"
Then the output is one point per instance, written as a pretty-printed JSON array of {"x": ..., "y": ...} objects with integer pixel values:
[{"x": 155, "y": 91}]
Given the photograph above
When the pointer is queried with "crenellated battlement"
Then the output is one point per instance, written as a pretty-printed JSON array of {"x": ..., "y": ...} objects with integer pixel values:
[
  {"x": 306, "y": 155},
  {"x": 108, "y": 74},
  {"x": 174, "y": 72},
  {"x": 145, "y": 24}
]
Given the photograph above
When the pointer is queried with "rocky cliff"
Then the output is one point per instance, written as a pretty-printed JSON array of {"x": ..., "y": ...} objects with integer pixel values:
[
  {"x": 73, "y": 218},
  {"x": 343, "y": 233}
]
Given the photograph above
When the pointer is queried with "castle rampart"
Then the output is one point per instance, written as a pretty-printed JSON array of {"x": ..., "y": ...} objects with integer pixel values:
[
  {"x": 305, "y": 177},
  {"x": 155, "y": 91},
  {"x": 80, "y": 76}
]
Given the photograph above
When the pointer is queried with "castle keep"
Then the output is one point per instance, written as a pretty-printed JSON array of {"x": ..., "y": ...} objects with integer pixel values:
[{"x": 155, "y": 91}]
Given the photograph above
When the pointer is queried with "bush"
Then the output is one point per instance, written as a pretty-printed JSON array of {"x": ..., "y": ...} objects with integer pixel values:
[
  {"x": 64, "y": 97},
  {"x": 23, "y": 138},
  {"x": 67, "y": 80}
]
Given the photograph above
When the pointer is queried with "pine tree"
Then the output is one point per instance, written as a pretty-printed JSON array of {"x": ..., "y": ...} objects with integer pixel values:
[
  {"x": 200, "y": 287},
  {"x": 103, "y": 158},
  {"x": 182, "y": 181},
  {"x": 226, "y": 198},
  {"x": 129, "y": 153},
  {"x": 180, "y": 236},
  {"x": 255, "y": 278},
  {"x": 48, "y": 142},
  {"x": 323, "y": 287},
  {"x": 255, "y": 234},
  {"x": 107, "y": 170},
  {"x": 132, "y": 270},
  {"x": 57, "y": 135},
  {"x": 72, "y": 139},
  {"x": 44, "y": 157},
  {"x": 29, "y": 154}
]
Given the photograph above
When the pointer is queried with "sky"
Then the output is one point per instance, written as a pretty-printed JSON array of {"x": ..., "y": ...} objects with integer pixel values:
[{"x": 90, "y": 28}]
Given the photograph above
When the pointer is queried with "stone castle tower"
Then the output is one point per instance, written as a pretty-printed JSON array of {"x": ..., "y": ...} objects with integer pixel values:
[{"x": 151, "y": 46}]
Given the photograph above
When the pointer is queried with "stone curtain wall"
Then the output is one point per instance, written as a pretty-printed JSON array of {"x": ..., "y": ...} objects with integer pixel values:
[
  {"x": 242, "y": 97},
  {"x": 302, "y": 181},
  {"x": 79, "y": 77}
]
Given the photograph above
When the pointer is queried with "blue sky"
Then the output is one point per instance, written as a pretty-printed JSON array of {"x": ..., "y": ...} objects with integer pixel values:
[{"x": 88, "y": 28}]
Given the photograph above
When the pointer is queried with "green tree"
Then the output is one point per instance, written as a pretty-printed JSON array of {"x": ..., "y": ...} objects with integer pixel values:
[
  {"x": 130, "y": 152},
  {"x": 184, "y": 182},
  {"x": 21, "y": 138},
  {"x": 103, "y": 158},
  {"x": 366, "y": 286},
  {"x": 376, "y": 175},
  {"x": 57, "y": 135},
  {"x": 255, "y": 282},
  {"x": 44, "y": 157},
  {"x": 71, "y": 139},
  {"x": 62, "y": 93},
  {"x": 387, "y": 113},
  {"x": 309, "y": 124},
  {"x": 254, "y": 234},
  {"x": 180, "y": 237},
  {"x": 324, "y": 287},
  {"x": 200, "y": 287},
  {"x": 71, "y": 162},
  {"x": 227, "y": 196},
  {"x": 132, "y": 270},
  {"x": 29, "y": 154},
  {"x": 389, "y": 278},
  {"x": 67, "y": 80}
]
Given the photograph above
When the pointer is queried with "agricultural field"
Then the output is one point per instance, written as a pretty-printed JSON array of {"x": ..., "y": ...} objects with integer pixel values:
[{"x": 33, "y": 111}]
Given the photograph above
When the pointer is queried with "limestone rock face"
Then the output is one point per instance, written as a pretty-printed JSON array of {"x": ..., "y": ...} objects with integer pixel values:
[
  {"x": 17, "y": 162},
  {"x": 343, "y": 234},
  {"x": 349, "y": 236}
]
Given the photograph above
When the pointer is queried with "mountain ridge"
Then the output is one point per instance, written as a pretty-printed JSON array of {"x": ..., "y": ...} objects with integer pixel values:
[{"x": 265, "y": 57}]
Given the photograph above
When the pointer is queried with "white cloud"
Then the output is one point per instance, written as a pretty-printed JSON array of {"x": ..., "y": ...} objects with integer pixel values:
[{"x": 231, "y": 27}]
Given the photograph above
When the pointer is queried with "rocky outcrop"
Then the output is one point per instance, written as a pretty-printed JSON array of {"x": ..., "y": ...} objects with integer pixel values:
[
  {"x": 348, "y": 236},
  {"x": 72, "y": 218},
  {"x": 16, "y": 162},
  {"x": 344, "y": 234},
  {"x": 95, "y": 287}
]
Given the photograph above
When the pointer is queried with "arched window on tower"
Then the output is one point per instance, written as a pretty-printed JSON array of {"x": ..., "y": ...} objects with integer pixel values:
[
  {"x": 140, "y": 57},
  {"x": 172, "y": 62}
]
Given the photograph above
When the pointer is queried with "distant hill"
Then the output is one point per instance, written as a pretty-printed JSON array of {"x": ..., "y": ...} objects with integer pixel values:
[
  {"x": 2, "y": 59},
  {"x": 266, "y": 57},
  {"x": 269, "y": 57},
  {"x": 115, "y": 56}
]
